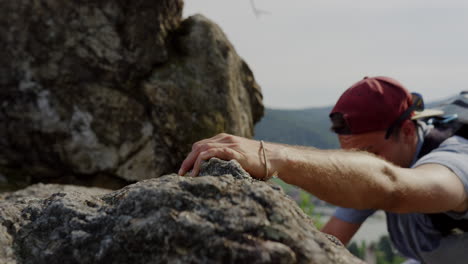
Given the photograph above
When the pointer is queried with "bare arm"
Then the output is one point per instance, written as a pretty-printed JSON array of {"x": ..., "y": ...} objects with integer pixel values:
[
  {"x": 361, "y": 180},
  {"x": 342, "y": 230},
  {"x": 346, "y": 178}
]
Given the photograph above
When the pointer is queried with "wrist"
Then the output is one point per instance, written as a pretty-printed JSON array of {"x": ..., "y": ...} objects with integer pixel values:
[{"x": 277, "y": 158}]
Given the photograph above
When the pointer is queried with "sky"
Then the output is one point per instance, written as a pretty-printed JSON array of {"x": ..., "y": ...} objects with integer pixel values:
[{"x": 305, "y": 53}]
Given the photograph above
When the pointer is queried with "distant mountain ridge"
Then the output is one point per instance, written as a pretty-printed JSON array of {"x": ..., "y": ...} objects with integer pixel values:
[{"x": 305, "y": 127}]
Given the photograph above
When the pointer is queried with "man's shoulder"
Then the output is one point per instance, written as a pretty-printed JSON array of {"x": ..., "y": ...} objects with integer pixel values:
[
  {"x": 455, "y": 140},
  {"x": 451, "y": 153},
  {"x": 453, "y": 144}
]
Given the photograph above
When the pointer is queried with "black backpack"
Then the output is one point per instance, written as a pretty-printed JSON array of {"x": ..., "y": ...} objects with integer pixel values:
[{"x": 453, "y": 122}]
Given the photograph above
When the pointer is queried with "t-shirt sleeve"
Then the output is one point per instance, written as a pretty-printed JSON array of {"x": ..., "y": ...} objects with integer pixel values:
[
  {"x": 453, "y": 154},
  {"x": 353, "y": 215}
]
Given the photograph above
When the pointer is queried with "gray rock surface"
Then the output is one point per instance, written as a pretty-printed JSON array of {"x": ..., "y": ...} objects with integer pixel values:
[
  {"x": 99, "y": 92},
  {"x": 217, "y": 218}
]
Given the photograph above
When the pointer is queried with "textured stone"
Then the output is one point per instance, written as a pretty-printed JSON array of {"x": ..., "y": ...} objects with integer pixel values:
[
  {"x": 213, "y": 84},
  {"x": 217, "y": 218},
  {"x": 99, "y": 92}
]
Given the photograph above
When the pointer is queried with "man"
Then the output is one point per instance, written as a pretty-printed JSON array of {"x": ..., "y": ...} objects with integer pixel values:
[{"x": 378, "y": 168}]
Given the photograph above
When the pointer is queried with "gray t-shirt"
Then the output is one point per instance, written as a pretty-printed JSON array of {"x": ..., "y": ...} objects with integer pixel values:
[{"x": 413, "y": 234}]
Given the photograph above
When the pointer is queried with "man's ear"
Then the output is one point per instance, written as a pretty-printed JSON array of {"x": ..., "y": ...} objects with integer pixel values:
[{"x": 408, "y": 130}]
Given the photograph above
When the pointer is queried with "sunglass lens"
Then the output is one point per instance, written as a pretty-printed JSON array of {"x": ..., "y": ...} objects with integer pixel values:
[{"x": 418, "y": 101}]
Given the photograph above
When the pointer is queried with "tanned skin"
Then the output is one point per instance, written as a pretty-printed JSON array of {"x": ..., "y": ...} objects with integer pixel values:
[{"x": 369, "y": 172}]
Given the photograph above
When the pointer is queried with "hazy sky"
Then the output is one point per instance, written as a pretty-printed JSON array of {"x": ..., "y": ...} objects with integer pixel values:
[{"x": 305, "y": 53}]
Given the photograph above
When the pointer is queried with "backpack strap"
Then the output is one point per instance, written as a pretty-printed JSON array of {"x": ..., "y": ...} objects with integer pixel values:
[
  {"x": 447, "y": 225},
  {"x": 434, "y": 138},
  {"x": 442, "y": 222},
  {"x": 462, "y": 131}
]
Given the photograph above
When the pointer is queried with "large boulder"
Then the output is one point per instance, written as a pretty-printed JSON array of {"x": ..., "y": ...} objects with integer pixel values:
[
  {"x": 99, "y": 92},
  {"x": 222, "y": 217}
]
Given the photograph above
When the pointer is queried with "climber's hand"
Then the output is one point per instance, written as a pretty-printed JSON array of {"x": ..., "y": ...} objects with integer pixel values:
[{"x": 226, "y": 147}]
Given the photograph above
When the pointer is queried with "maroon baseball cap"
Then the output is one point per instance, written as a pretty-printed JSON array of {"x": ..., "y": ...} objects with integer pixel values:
[{"x": 372, "y": 104}]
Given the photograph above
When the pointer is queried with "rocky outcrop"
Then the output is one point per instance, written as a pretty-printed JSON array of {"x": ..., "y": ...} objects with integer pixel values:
[
  {"x": 103, "y": 93},
  {"x": 222, "y": 217},
  {"x": 99, "y": 92}
]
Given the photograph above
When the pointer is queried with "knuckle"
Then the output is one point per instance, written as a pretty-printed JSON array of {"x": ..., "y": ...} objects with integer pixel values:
[
  {"x": 202, "y": 154},
  {"x": 226, "y": 154},
  {"x": 229, "y": 152},
  {"x": 199, "y": 146},
  {"x": 229, "y": 138},
  {"x": 205, "y": 147},
  {"x": 195, "y": 146},
  {"x": 222, "y": 135}
]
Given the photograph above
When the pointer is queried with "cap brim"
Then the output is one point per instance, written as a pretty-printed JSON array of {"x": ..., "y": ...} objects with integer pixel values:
[{"x": 427, "y": 113}]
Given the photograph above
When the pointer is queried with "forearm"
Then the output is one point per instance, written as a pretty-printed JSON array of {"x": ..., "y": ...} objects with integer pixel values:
[
  {"x": 345, "y": 178},
  {"x": 350, "y": 179}
]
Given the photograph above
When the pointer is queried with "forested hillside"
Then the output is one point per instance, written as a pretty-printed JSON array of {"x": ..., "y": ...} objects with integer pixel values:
[{"x": 308, "y": 127}]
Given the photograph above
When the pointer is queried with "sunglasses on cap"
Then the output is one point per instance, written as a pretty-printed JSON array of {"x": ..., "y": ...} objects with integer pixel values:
[{"x": 418, "y": 105}]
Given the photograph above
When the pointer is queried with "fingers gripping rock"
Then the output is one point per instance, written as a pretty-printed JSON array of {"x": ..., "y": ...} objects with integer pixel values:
[{"x": 217, "y": 167}]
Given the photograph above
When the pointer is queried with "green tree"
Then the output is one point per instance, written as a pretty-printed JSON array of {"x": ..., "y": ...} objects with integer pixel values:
[
  {"x": 306, "y": 203},
  {"x": 385, "y": 247},
  {"x": 354, "y": 249},
  {"x": 358, "y": 250}
]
